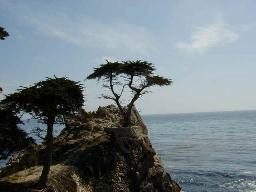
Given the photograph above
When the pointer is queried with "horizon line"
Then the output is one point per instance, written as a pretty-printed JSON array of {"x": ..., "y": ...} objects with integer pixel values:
[{"x": 218, "y": 111}]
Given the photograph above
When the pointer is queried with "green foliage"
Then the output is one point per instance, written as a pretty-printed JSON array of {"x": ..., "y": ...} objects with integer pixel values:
[
  {"x": 3, "y": 33},
  {"x": 157, "y": 80},
  {"x": 54, "y": 96},
  {"x": 12, "y": 138},
  {"x": 137, "y": 68},
  {"x": 105, "y": 70}
]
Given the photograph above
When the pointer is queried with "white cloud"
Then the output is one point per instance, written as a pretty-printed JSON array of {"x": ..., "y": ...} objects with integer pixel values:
[
  {"x": 208, "y": 37},
  {"x": 85, "y": 32}
]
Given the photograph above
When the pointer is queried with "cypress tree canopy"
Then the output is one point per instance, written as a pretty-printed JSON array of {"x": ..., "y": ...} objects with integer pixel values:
[{"x": 53, "y": 96}]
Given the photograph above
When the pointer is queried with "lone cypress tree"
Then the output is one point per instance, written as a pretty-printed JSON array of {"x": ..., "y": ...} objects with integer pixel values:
[
  {"x": 136, "y": 76},
  {"x": 49, "y": 101}
]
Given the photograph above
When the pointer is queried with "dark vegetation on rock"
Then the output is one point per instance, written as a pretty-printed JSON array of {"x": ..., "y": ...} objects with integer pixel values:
[
  {"x": 12, "y": 138},
  {"x": 94, "y": 154}
]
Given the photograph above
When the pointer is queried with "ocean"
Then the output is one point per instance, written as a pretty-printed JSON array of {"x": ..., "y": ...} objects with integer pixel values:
[
  {"x": 207, "y": 152},
  {"x": 204, "y": 152}
]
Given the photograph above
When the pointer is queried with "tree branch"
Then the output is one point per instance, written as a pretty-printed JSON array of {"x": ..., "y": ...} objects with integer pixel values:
[
  {"x": 122, "y": 90},
  {"x": 117, "y": 97},
  {"x": 108, "y": 97},
  {"x": 130, "y": 84},
  {"x": 37, "y": 131}
]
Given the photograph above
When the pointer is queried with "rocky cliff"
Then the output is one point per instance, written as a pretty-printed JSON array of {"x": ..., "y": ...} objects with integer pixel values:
[{"x": 94, "y": 154}]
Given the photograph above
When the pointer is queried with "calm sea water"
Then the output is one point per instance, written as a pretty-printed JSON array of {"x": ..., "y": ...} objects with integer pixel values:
[{"x": 207, "y": 152}]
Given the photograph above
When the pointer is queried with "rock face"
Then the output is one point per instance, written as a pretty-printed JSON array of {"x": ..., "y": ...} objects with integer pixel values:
[{"x": 94, "y": 154}]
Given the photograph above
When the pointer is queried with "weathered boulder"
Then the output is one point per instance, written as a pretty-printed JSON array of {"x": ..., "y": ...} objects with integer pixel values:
[{"x": 96, "y": 154}]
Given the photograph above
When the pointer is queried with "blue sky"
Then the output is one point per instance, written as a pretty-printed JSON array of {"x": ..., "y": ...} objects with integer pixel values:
[{"x": 207, "y": 47}]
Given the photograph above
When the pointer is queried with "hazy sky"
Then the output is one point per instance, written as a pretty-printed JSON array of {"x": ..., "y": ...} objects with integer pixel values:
[{"x": 208, "y": 47}]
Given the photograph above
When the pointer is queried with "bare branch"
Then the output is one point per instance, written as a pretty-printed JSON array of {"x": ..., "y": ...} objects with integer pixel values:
[
  {"x": 122, "y": 90},
  {"x": 107, "y": 97},
  {"x": 105, "y": 86},
  {"x": 130, "y": 84},
  {"x": 145, "y": 92},
  {"x": 38, "y": 131}
]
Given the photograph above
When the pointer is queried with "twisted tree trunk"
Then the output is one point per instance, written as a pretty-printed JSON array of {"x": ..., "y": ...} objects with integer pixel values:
[{"x": 48, "y": 153}]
